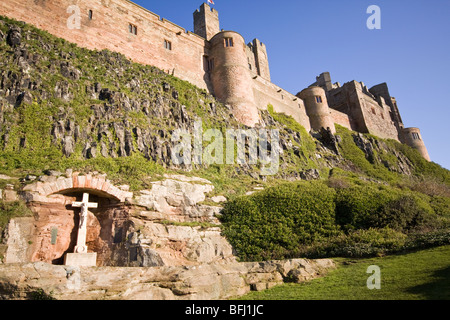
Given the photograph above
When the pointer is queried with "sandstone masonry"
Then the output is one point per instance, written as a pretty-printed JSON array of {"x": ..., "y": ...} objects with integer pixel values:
[{"x": 219, "y": 61}]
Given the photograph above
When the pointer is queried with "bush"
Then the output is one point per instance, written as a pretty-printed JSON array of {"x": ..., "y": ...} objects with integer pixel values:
[
  {"x": 355, "y": 205},
  {"x": 441, "y": 206},
  {"x": 360, "y": 243},
  {"x": 430, "y": 186},
  {"x": 403, "y": 214},
  {"x": 274, "y": 223},
  {"x": 428, "y": 240},
  {"x": 371, "y": 206}
]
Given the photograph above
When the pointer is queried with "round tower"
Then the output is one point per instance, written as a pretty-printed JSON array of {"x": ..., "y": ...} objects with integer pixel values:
[
  {"x": 230, "y": 76},
  {"x": 316, "y": 105},
  {"x": 413, "y": 138}
]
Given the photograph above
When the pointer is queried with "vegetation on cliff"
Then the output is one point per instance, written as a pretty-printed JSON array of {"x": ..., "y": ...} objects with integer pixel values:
[{"x": 64, "y": 107}]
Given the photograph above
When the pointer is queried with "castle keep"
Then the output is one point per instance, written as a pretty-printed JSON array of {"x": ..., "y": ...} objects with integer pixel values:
[{"x": 235, "y": 72}]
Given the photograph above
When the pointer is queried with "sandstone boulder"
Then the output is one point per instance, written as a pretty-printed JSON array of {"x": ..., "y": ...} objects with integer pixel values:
[
  {"x": 204, "y": 282},
  {"x": 177, "y": 196}
]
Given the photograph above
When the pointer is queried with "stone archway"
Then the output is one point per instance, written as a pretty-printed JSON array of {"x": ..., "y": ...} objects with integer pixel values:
[
  {"x": 56, "y": 221},
  {"x": 48, "y": 191}
]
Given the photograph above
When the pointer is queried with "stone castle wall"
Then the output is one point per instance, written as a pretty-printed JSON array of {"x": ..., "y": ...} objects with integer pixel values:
[
  {"x": 341, "y": 119},
  {"x": 266, "y": 93},
  {"x": 109, "y": 29},
  {"x": 237, "y": 74},
  {"x": 364, "y": 112}
]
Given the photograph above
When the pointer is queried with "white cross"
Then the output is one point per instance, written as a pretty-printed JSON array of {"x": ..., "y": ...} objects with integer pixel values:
[{"x": 81, "y": 239}]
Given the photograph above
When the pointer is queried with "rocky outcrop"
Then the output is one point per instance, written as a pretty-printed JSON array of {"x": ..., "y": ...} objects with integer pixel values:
[
  {"x": 163, "y": 244},
  {"x": 111, "y": 114},
  {"x": 373, "y": 147},
  {"x": 205, "y": 282},
  {"x": 165, "y": 225},
  {"x": 169, "y": 225},
  {"x": 177, "y": 198}
]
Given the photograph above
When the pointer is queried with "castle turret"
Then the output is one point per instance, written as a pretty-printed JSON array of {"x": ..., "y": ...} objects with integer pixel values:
[
  {"x": 316, "y": 105},
  {"x": 261, "y": 59},
  {"x": 206, "y": 22},
  {"x": 324, "y": 81},
  {"x": 413, "y": 138},
  {"x": 231, "y": 77}
]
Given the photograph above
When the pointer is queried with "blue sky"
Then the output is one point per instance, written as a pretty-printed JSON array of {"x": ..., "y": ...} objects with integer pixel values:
[{"x": 411, "y": 52}]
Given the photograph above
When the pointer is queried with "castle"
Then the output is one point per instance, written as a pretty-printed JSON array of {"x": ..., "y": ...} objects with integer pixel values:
[{"x": 217, "y": 60}]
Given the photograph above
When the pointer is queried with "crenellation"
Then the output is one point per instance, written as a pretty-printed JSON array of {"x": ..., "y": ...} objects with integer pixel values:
[{"x": 236, "y": 73}]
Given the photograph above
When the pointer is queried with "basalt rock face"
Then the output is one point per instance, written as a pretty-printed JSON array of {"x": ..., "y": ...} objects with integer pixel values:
[
  {"x": 99, "y": 103},
  {"x": 372, "y": 147},
  {"x": 61, "y": 101}
]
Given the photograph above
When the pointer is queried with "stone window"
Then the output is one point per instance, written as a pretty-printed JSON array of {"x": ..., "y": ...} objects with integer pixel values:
[
  {"x": 167, "y": 45},
  {"x": 211, "y": 64},
  {"x": 229, "y": 42},
  {"x": 205, "y": 63},
  {"x": 416, "y": 136},
  {"x": 91, "y": 14},
  {"x": 132, "y": 29},
  {"x": 319, "y": 99},
  {"x": 373, "y": 111}
]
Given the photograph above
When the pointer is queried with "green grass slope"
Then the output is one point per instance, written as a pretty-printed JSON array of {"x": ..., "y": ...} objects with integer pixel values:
[{"x": 423, "y": 275}]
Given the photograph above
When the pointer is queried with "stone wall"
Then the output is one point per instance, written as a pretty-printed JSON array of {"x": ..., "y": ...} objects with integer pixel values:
[
  {"x": 377, "y": 117},
  {"x": 205, "y": 282},
  {"x": 413, "y": 138},
  {"x": 266, "y": 93},
  {"x": 341, "y": 118},
  {"x": 365, "y": 113},
  {"x": 231, "y": 76},
  {"x": 109, "y": 29}
]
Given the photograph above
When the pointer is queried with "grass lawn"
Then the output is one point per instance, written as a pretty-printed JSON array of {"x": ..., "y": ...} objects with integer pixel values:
[{"x": 423, "y": 275}]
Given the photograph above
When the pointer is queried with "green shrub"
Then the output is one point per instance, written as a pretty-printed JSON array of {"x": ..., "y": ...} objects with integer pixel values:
[
  {"x": 272, "y": 224},
  {"x": 428, "y": 240},
  {"x": 372, "y": 206},
  {"x": 355, "y": 205},
  {"x": 359, "y": 243},
  {"x": 441, "y": 206},
  {"x": 404, "y": 214}
]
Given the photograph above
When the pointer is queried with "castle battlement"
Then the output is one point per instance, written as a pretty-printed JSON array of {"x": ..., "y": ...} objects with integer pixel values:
[{"x": 235, "y": 72}]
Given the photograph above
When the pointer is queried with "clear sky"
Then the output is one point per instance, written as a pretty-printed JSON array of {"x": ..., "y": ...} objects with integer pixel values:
[{"x": 411, "y": 51}]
